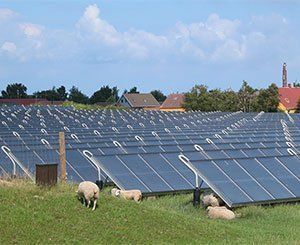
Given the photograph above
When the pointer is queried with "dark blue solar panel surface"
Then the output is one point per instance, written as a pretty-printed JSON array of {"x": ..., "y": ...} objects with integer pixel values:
[{"x": 243, "y": 160}]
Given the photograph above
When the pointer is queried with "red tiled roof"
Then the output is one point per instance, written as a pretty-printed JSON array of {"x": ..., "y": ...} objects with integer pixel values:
[
  {"x": 289, "y": 97},
  {"x": 30, "y": 101},
  {"x": 173, "y": 101},
  {"x": 21, "y": 101}
]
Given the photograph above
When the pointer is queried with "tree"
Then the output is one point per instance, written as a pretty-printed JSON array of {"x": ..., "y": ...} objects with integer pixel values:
[
  {"x": 15, "y": 90},
  {"x": 61, "y": 91},
  {"x": 273, "y": 98},
  {"x": 50, "y": 94},
  {"x": 115, "y": 93},
  {"x": 77, "y": 96},
  {"x": 296, "y": 84},
  {"x": 246, "y": 96},
  {"x": 133, "y": 90},
  {"x": 105, "y": 94},
  {"x": 267, "y": 99},
  {"x": 158, "y": 95},
  {"x": 53, "y": 94},
  {"x": 229, "y": 101},
  {"x": 198, "y": 99}
]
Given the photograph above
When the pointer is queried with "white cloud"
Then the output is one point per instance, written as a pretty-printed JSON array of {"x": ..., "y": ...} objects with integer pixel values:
[
  {"x": 94, "y": 39},
  {"x": 93, "y": 26},
  {"x": 132, "y": 43},
  {"x": 215, "y": 39},
  {"x": 9, "y": 47},
  {"x": 223, "y": 28},
  {"x": 231, "y": 50},
  {"x": 31, "y": 30},
  {"x": 213, "y": 29},
  {"x": 6, "y": 14}
]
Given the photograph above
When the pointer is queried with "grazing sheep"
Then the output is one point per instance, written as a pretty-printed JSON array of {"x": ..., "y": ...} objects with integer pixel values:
[
  {"x": 135, "y": 195},
  {"x": 220, "y": 213},
  {"x": 88, "y": 190},
  {"x": 210, "y": 200}
]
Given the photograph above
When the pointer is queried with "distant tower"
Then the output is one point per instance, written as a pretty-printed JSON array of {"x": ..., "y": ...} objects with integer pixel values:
[{"x": 284, "y": 76}]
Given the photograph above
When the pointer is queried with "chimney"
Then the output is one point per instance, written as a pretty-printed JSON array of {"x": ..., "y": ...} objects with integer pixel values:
[{"x": 284, "y": 76}]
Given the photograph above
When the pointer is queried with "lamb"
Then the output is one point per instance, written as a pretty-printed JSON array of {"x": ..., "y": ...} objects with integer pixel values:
[
  {"x": 220, "y": 213},
  {"x": 135, "y": 195},
  {"x": 88, "y": 190},
  {"x": 211, "y": 200}
]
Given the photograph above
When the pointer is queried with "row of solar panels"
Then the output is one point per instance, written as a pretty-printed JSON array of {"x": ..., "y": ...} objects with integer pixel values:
[{"x": 245, "y": 158}]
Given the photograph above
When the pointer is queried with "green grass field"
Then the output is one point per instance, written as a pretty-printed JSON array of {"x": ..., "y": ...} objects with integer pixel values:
[{"x": 33, "y": 215}]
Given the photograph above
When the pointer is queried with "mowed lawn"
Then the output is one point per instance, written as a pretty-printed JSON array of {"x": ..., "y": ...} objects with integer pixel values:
[{"x": 32, "y": 215}]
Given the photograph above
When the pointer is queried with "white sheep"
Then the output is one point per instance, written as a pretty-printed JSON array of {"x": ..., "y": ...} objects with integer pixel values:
[
  {"x": 135, "y": 195},
  {"x": 220, "y": 213},
  {"x": 88, "y": 190},
  {"x": 210, "y": 200}
]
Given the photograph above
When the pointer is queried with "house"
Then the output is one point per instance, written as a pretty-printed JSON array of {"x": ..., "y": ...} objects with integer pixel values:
[
  {"x": 138, "y": 101},
  {"x": 289, "y": 97},
  {"x": 174, "y": 102},
  {"x": 288, "y": 94}
]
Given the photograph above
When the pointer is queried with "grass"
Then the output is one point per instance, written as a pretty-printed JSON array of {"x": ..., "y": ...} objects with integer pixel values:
[{"x": 34, "y": 215}]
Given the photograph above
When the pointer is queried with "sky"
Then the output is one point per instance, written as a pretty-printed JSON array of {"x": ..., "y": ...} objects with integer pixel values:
[{"x": 169, "y": 45}]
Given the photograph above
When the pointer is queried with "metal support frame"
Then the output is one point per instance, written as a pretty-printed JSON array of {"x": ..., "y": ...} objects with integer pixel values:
[
  {"x": 89, "y": 156},
  {"x": 196, "y": 196},
  {"x": 15, "y": 162}
]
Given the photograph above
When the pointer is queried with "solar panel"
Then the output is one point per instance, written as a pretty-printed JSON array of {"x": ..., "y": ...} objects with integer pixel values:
[
  {"x": 246, "y": 157},
  {"x": 249, "y": 180}
]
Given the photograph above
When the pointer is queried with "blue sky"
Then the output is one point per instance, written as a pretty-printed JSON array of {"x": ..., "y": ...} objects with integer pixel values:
[{"x": 166, "y": 45}]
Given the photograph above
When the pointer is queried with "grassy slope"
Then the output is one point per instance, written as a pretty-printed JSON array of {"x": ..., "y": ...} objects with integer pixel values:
[{"x": 29, "y": 214}]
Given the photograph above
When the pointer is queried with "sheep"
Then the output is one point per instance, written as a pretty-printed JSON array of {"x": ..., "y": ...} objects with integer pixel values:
[
  {"x": 135, "y": 195},
  {"x": 212, "y": 200},
  {"x": 88, "y": 190},
  {"x": 220, "y": 213}
]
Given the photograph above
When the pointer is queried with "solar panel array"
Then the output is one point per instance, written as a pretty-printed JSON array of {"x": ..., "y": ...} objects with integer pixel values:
[{"x": 244, "y": 157}]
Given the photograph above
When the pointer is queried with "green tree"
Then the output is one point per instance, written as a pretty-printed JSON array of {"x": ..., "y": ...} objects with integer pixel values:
[
  {"x": 15, "y": 90},
  {"x": 198, "y": 99},
  {"x": 50, "y": 94},
  {"x": 62, "y": 93},
  {"x": 115, "y": 93},
  {"x": 246, "y": 96},
  {"x": 296, "y": 84},
  {"x": 133, "y": 90},
  {"x": 77, "y": 96},
  {"x": 53, "y": 94},
  {"x": 158, "y": 95},
  {"x": 105, "y": 94},
  {"x": 230, "y": 101},
  {"x": 267, "y": 99},
  {"x": 216, "y": 99},
  {"x": 273, "y": 98}
]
